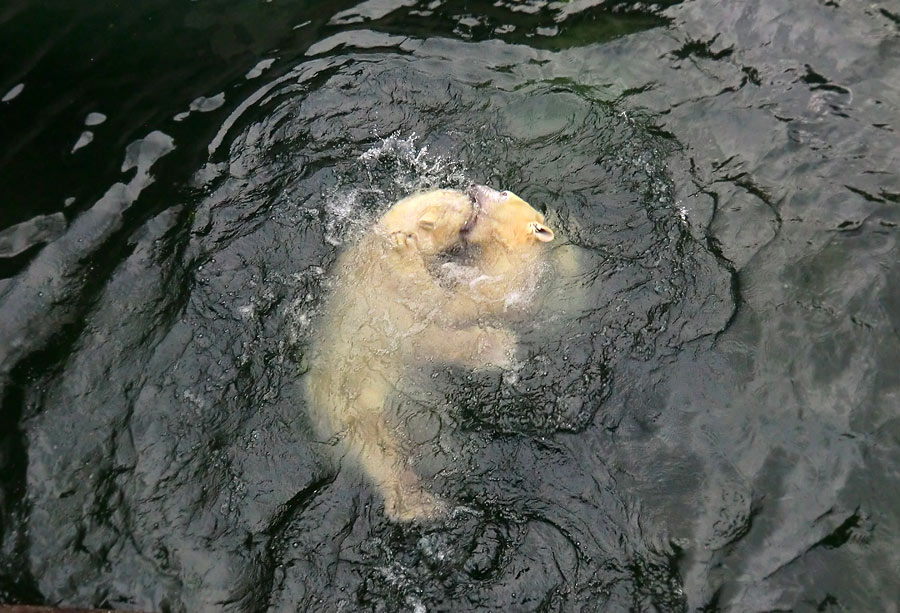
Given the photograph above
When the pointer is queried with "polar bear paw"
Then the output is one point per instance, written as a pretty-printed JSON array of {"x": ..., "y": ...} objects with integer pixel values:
[
  {"x": 415, "y": 505},
  {"x": 405, "y": 243}
]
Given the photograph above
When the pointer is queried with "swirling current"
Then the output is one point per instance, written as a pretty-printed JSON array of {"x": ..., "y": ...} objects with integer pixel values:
[{"x": 700, "y": 417}]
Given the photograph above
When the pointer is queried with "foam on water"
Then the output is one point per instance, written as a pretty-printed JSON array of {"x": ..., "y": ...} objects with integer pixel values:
[{"x": 391, "y": 169}]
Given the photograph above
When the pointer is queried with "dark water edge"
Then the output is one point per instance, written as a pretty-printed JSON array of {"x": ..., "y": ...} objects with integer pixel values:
[{"x": 728, "y": 170}]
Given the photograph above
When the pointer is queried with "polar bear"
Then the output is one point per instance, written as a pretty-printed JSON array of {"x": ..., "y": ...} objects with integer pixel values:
[
  {"x": 388, "y": 312},
  {"x": 385, "y": 312}
]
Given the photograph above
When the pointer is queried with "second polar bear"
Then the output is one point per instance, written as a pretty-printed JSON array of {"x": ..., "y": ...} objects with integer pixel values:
[
  {"x": 507, "y": 260},
  {"x": 387, "y": 313}
]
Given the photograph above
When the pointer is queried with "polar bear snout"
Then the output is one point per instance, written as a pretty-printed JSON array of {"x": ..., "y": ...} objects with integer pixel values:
[
  {"x": 487, "y": 199},
  {"x": 483, "y": 196},
  {"x": 484, "y": 202}
]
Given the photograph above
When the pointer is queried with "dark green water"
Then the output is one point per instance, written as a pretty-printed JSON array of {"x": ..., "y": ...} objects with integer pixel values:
[{"x": 706, "y": 421}]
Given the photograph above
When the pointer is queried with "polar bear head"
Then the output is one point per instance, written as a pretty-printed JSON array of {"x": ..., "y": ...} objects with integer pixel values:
[
  {"x": 503, "y": 219},
  {"x": 429, "y": 222}
]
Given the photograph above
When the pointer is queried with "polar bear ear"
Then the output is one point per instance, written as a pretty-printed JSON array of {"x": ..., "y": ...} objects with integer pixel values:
[
  {"x": 540, "y": 231},
  {"x": 428, "y": 219}
]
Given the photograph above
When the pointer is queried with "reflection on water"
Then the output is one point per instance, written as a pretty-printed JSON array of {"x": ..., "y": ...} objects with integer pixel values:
[{"x": 703, "y": 419}]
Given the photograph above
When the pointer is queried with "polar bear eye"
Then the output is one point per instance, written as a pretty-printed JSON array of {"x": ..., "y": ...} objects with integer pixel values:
[{"x": 504, "y": 194}]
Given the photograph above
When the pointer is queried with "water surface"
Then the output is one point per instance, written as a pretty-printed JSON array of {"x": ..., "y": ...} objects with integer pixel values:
[{"x": 703, "y": 421}]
